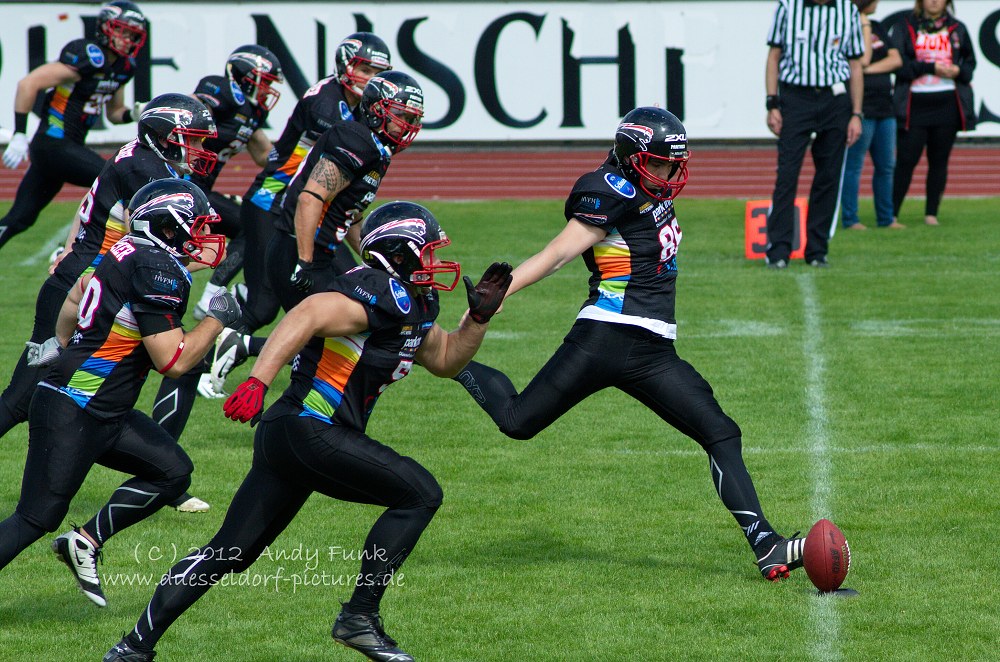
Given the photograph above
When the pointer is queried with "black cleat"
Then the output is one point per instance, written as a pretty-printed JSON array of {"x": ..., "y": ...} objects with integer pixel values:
[
  {"x": 80, "y": 555},
  {"x": 364, "y": 633},
  {"x": 123, "y": 652},
  {"x": 782, "y": 558}
]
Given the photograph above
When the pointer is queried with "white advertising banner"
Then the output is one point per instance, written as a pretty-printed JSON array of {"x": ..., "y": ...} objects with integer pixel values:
[{"x": 534, "y": 71}]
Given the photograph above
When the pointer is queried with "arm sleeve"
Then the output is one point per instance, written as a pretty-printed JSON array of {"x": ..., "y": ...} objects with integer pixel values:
[
  {"x": 384, "y": 298},
  {"x": 967, "y": 57},
  {"x": 159, "y": 298},
  {"x": 911, "y": 69},
  {"x": 855, "y": 42},
  {"x": 776, "y": 35},
  {"x": 80, "y": 55},
  {"x": 352, "y": 152}
]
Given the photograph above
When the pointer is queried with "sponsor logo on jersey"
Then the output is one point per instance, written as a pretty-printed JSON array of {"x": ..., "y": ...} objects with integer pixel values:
[
  {"x": 364, "y": 294},
  {"x": 591, "y": 201},
  {"x": 95, "y": 55},
  {"x": 373, "y": 178},
  {"x": 237, "y": 93},
  {"x": 645, "y": 207},
  {"x": 401, "y": 296},
  {"x": 426, "y": 325},
  {"x": 596, "y": 218},
  {"x": 620, "y": 184},
  {"x": 164, "y": 283},
  {"x": 121, "y": 249}
]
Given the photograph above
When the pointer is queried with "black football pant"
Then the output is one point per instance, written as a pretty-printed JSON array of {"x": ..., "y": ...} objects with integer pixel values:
[
  {"x": 909, "y": 146},
  {"x": 262, "y": 303},
  {"x": 295, "y": 456},
  {"x": 282, "y": 255},
  {"x": 54, "y": 162},
  {"x": 231, "y": 226},
  {"x": 804, "y": 111},
  {"x": 64, "y": 443},
  {"x": 16, "y": 397},
  {"x": 599, "y": 355}
]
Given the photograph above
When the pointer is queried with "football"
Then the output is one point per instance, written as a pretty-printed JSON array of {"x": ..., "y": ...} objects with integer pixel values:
[{"x": 826, "y": 556}]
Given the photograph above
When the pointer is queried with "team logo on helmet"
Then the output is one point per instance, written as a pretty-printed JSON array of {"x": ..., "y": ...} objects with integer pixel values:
[
  {"x": 177, "y": 116},
  {"x": 413, "y": 229},
  {"x": 180, "y": 204},
  {"x": 641, "y": 135}
]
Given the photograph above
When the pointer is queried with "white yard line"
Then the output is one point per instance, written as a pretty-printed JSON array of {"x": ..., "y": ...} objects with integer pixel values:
[{"x": 42, "y": 254}]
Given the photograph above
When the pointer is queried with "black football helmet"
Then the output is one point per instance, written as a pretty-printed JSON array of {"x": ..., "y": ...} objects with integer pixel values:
[
  {"x": 121, "y": 20},
  {"x": 177, "y": 119},
  {"x": 648, "y": 135},
  {"x": 393, "y": 99},
  {"x": 400, "y": 238},
  {"x": 359, "y": 48},
  {"x": 175, "y": 214},
  {"x": 255, "y": 69}
]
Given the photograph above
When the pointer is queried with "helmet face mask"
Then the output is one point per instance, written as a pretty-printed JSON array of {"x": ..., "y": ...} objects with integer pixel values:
[
  {"x": 401, "y": 238},
  {"x": 256, "y": 69},
  {"x": 393, "y": 108},
  {"x": 360, "y": 56},
  {"x": 175, "y": 215},
  {"x": 651, "y": 149},
  {"x": 122, "y": 28},
  {"x": 174, "y": 127}
]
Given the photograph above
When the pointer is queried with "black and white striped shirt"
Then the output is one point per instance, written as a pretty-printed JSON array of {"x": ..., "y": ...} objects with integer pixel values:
[{"x": 816, "y": 41}]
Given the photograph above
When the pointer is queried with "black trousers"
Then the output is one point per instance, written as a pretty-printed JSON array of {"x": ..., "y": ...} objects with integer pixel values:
[
  {"x": 295, "y": 456},
  {"x": 806, "y": 111},
  {"x": 262, "y": 303},
  {"x": 909, "y": 146},
  {"x": 54, "y": 162}
]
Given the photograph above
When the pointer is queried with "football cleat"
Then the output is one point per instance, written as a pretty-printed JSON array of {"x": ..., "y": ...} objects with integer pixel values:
[
  {"x": 782, "y": 558},
  {"x": 230, "y": 351},
  {"x": 239, "y": 290},
  {"x": 77, "y": 552},
  {"x": 209, "y": 388},
  {"x": 123, "y": 652},
  {"x": 193, "y": 505},
  {"x": 364, "y": 633}
]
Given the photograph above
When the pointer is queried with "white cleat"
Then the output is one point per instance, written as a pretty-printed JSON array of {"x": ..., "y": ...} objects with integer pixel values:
[
  {"x": 80, "y": 555},
  {"x": 193, "y": 505}
]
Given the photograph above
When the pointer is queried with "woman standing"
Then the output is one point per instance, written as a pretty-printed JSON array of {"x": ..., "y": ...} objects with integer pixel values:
[
  {"x": 878, "y": 126},
  {"x": 933, "y": 98}
]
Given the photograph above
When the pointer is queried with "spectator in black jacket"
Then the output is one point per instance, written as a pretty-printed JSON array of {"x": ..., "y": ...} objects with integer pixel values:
[{"x": 933, "y": 98}]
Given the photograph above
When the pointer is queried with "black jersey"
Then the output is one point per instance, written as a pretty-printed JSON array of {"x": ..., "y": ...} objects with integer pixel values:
[
  {"x": 139, "y": 290},
  {"x": 71, "y": 109},
  {"x": 134, "y": 166},
  {"x": 235, "y": 118},
  {"x": 338, "y": 380},
  {"x": 320, "y": 107},
  {"x": 634, "y": 268},
  {"x": 360, "y": 155}
]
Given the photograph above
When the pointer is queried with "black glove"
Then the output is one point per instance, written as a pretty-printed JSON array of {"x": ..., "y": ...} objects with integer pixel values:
[
  {"x": 224, "y": 307},
  {"x": 302, "y": 278},
  {"x": 487, "y": 296}
]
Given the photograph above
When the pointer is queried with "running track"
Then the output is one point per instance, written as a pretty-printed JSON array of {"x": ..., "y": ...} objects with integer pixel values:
[{"x": 434, "y": 173}]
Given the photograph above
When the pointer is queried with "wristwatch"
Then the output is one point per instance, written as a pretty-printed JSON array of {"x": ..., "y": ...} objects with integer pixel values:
[{"x": 860, "y": 116}]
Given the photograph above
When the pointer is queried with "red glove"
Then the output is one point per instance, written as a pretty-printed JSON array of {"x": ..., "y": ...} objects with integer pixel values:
[{"x": 246, "y": 402}]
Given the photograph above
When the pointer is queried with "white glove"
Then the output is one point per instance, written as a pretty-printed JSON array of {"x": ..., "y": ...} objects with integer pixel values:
[
  {"x": 16, "y": 151},
  {"x": 43, "y": 354}
]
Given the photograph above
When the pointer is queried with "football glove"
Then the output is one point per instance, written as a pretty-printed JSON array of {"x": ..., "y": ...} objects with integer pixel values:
[
  {"x": 246, "y": 402},
  {"x": 302, "y": 278},
  {"x": 224, "y": 307},
  {"x": 44, "y": 353},
  {"x": 16, "y": 151},
  {"x": 486, "y": 297}
]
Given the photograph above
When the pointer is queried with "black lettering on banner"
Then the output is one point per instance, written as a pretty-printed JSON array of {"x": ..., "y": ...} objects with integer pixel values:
[
  {"x": 571, "y": 75},
  {"x": 269, "y": 37},
  {"x": 675, "y": 82},
  {"x": 485, "y": 69},
  {"x": 36, "y": 58},
  {"x": 432, "y": 69},
  {"x": 991, "y": 51}
]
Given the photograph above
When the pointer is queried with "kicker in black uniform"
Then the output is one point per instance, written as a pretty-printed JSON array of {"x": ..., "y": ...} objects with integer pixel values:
[{"x": 621, "y": 220}]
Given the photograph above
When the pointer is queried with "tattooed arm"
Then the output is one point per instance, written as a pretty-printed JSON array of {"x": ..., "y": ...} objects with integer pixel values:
[{"x": 325, "y": 182}]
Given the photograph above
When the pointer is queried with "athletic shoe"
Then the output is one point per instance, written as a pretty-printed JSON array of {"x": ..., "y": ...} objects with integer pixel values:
[
  {"x": 364, "y": 633},
  {"x": 123, "y": 652},
  {"x": 777, "y": 264},
  {"x": 229, "y": 353},
  {"x": 819, "y": 262},
  {"x": 239, "y": 290},
  {"x": 782, "y": 558},
  {"x": 209, "y": 388},
  {"x": 81, "y": 557},
  {"x": 193, "y": 505}
]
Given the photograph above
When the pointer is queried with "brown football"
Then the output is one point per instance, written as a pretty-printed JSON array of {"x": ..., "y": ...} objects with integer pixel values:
[{"x": 826, "y": 556}]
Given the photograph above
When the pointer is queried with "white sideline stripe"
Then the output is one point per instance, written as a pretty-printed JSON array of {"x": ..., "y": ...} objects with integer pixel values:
[
  {"x": 832, "y": 450},
  {"x": 823, "y": 613},
  {"x": 50, "y": 245}
]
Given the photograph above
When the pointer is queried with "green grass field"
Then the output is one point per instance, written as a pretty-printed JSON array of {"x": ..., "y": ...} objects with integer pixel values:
[{"x": 867, "y": 393}]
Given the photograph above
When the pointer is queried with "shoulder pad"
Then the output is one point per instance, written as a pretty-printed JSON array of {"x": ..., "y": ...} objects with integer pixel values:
[{"x": 83, "y": 55}]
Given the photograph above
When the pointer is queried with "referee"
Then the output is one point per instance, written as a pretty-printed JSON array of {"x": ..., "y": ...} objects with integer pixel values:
[{"x": 814, "y": 86}]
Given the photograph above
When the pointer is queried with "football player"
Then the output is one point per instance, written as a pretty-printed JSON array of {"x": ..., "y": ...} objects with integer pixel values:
[
  {"x": 351, "y": 341},
  {"x": 332, "y": 188},
  {"x": 120, "y": 321},
  {"x": 171, "y": 132},
  {"x": 621, "y": 219},
  {"x": 358, "y": 57},
  {"x": 88, "y": 78}
]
